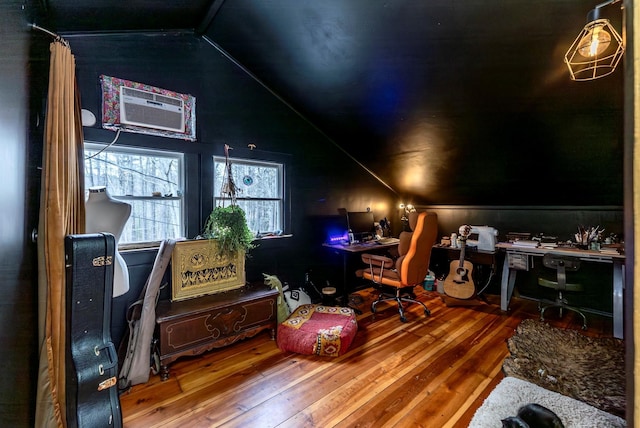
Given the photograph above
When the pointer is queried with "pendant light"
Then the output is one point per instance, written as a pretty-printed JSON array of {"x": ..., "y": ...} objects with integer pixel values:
[{"x": 597, "y": 50}]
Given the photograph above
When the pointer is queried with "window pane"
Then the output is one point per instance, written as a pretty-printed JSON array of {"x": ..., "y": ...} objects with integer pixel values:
[
  {"x": 153, "y": 220},
  {"x": 133, "y": 173},
  {"x": 260, "y": 192},
  {"x": 135, "y": 176},
  {"x": 262, "y": 216},
  {"x": 257, "y": 180}
]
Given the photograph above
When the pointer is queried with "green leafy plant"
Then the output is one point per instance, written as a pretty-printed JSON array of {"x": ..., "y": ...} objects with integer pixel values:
[{"x": 228, "y": 225}]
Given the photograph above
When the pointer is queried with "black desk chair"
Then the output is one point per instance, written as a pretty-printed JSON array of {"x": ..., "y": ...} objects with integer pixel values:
[{"x": 562, "y": 265}]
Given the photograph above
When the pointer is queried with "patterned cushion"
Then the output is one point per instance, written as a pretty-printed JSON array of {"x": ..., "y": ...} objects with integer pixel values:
[{"x": 318, "y": 330}]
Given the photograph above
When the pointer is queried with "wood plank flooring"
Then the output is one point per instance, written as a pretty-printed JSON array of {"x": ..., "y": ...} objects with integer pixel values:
[{"x": 429, "y": 372}]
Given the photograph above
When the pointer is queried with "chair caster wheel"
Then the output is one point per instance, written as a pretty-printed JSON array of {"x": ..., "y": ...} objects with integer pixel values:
[
  {"x": 427, "y": 312},
  {"x": 403, "y": 319}
]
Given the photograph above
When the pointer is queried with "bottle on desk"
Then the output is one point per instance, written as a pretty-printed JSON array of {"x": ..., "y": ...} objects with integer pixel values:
[{"x": 351, "y": 238}]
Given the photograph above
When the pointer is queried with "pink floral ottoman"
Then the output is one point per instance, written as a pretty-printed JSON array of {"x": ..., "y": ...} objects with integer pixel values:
[{"x": 318, "y": 330}]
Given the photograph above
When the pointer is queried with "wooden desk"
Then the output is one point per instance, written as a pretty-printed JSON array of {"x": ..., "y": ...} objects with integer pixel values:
[
  {"x": 346, "y": 250},
  {"x": 510, "y": 270}
]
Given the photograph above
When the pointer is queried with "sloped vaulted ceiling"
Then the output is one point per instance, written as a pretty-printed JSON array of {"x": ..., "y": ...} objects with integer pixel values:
[{"x": 431, "y": 95}]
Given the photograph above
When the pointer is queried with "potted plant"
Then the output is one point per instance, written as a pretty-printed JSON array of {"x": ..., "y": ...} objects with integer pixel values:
[{"x": 228, "y": 225}]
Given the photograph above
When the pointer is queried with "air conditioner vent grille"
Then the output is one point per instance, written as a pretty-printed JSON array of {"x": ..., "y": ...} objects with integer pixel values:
[
  {"x": 167, "y": 100},
  {"x": 151, "y": 110}
]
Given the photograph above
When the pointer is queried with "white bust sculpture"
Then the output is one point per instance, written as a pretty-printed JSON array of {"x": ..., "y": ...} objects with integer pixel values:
[{"x": 105, "y": 214}]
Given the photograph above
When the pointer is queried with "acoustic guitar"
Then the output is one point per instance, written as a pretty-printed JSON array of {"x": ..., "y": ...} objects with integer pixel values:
[{"x": 459, "y": 283}]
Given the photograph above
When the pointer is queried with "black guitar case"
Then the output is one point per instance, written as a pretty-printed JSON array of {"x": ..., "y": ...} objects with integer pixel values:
[{"x": 91, "y": 359}]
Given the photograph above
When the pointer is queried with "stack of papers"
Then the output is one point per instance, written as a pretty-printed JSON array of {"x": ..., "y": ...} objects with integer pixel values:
[
  {"x": 388, "y": 240},
  {"x": 525, "y": 243},
  {"x": 548, "y": 244},
  {"x": 609, "y": 251}
]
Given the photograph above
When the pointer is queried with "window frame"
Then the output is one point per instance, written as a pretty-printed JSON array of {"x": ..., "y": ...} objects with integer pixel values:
[
  {"x": 207, "y": 190},
  {"x": 198, "y": 173},
  {"x": 151, "y": 152},
  {"x": 280, "y": 200}
]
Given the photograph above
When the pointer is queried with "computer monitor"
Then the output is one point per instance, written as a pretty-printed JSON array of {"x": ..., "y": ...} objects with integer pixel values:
[
  {"x": 361, "y": 223},
  {"x": 331, "y": 228}
]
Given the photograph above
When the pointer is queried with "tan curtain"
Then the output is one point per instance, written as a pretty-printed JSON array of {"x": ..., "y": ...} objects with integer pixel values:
[{"x": 61, "y": 213}]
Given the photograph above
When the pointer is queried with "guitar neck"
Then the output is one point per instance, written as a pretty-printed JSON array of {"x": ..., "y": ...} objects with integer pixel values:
[{"x": 462, "y": 247}]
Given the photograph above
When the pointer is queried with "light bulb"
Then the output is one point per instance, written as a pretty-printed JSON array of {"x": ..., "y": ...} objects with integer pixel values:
[{"x": 595, "y": 42}]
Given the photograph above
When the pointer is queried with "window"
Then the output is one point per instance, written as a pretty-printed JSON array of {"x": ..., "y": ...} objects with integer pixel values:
[
  {"x": 260, "y": 191},
  {"x": 150, "y": 180}
]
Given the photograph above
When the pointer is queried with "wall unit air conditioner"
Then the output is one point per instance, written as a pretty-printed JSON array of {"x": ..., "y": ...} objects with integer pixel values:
[{"x": 151, "y": 110}]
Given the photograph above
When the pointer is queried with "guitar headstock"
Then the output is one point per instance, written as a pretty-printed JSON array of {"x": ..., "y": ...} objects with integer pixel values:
[{"x": 464, "y": 231}]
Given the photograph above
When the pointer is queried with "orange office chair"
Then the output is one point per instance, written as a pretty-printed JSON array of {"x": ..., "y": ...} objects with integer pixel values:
[{"x": 395, "y": 281}]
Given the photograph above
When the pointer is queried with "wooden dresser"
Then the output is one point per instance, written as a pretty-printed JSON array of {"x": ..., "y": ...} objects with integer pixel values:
[{"x": 191, "y": 327}]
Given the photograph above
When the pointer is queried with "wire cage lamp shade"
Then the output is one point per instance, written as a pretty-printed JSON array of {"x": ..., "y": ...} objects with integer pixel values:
[{"x": 597, "y": 50}]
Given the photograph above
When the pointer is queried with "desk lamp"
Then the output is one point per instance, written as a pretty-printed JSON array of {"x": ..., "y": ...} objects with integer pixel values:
[{"x": 405, "y": 215}]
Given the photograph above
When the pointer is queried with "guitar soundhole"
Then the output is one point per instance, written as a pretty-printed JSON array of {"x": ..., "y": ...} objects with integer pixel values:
[{"x": 461, "y": 276}]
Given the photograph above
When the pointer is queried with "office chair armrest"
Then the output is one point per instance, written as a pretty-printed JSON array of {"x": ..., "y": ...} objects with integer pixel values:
[
  {"x": 377, "y": 261},
  {"x": 377, "y": 266}
]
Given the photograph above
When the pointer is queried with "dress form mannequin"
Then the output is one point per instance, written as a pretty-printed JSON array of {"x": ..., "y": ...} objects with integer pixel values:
[{"x": 104, "y": 214}]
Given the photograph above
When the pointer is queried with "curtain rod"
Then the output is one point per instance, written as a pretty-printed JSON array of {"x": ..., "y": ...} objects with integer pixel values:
[{"x": 51, "y": 33}]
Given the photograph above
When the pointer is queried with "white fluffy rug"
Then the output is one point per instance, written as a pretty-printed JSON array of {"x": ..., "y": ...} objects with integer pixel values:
[{"x": 512, "y": 393}]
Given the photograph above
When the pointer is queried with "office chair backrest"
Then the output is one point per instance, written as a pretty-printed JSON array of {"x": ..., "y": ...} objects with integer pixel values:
[
  {"x": 556, "y": 262},
  {"x": 405, "y": 237},
  {"x": 562, "y": 265},
  {"x": 415, "y": 264}
]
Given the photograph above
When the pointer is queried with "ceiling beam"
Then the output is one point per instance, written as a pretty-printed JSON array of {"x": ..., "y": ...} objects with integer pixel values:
[{"x": 208, "y": 18}]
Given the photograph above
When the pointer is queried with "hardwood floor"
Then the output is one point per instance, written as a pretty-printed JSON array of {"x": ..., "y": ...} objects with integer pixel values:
[{"x": 429, "y": 372}]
